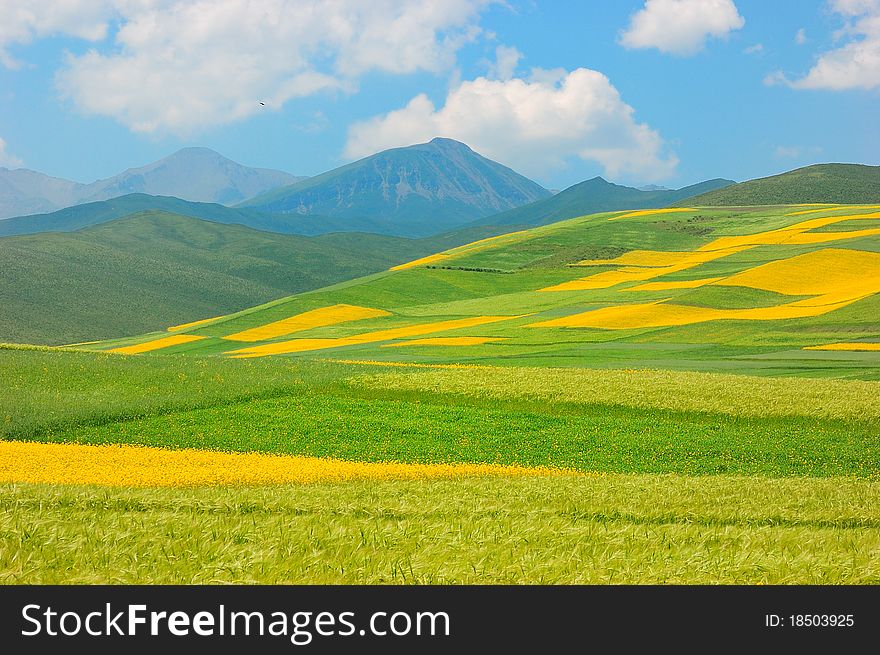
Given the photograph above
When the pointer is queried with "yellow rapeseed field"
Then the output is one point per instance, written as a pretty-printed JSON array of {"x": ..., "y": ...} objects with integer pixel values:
[
  {"x": 466, "y": 249},
  {"x": 184, "y": 326},
  {"x": 139, "y": 466},
  {"x": 647, "y": 212},
  {"x": 306, "y": 345},
  {"x": 321, "y": 317},
  {"x": 445, "y": 341},
  {"x": 642, "y": 265},
  {"x": 421, "y": 261},
  {"x": 834, "y": 278},
  {"x": 854, "y": 273},
  {"x": 158, "y": 344},
  {"x": 828, "y": 208},
  {"x": 851, "y": 347}
]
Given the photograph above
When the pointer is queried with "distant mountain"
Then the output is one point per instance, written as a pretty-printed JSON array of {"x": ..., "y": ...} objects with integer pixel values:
[
  {"x": 653, "y": 187},
  {"x": 23, "y": 191},
  {"x": 820, "y": 183},
  {"x": 414, "y": 191},
  {"x": 593, "y": 196},
  {"x": 197, "y": 174},
  {"x": 156, "y": 269}
]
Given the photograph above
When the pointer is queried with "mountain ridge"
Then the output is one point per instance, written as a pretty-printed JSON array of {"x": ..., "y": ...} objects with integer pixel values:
[
  {"x": 817, "y": 183},
  {"x": 593, "y": 196},
  {"x": 195, "y": 174},
  {"x": 409, "y": 187}
]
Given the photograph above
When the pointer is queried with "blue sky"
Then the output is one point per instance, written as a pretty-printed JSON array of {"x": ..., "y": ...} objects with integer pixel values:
[{"x": 670, "y": 92}]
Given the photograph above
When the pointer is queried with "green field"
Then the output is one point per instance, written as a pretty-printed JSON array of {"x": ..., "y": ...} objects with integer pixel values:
[
  {"x": 620, "y": 529},
  {"x": 153, "y": 269},
  {"x": 716, "y": 450},
  {"x": 507, "y": 277},
  {"x": 849, "y": 183}
]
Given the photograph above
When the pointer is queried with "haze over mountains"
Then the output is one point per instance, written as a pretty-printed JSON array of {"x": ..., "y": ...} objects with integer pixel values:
[{"x": 196, "y": 174}]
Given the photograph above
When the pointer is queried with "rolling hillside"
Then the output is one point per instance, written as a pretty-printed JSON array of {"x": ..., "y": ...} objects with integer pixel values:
[
  {"x": 197, "y": 174},
  {"x": 95, "y": 213},
  {"x": 415, "y": 191},
  {"x": 153, "y": 269},
  {"x": 824, "y": 183},
  {"x": 592, "y": 196},
  {"x": 783, "y": 290}
]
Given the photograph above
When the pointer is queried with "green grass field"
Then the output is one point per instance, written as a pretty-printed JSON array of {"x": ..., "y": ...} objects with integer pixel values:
[
  {"x": 620, "y": 529},
  {"x": 507, "y": 277},
  {"x": 711, "y": 451}
]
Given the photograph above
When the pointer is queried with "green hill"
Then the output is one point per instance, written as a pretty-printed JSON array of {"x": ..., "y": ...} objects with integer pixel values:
[
  {"x": 415, "y": 191},
  {"x": 154, "y": 269},
  {"x": 95, "y": 213},
  {"x": 825, "y": 183},
  {"x": 710, "y": 288},
  {"x": 592, "y": 196}
]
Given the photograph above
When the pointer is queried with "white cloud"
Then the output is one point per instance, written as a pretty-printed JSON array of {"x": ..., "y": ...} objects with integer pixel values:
[
  {"x": 506, "y": 61},
  {"x": 801, "y": 36},
  {"x": 8, "y": 160},
  {"x": 756, "y": 49},
  {"x": 182, "y": 65},
  {"x": 23, "y": 21},
  {"x": 680, "y": 27},
  {"x": 856, "y": 63},
  {"x": 533, "y": 125}
]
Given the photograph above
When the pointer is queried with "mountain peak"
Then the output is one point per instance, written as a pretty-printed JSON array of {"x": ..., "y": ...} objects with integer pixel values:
[
  {"x": 420, "y": 189},
  {"x": 445, "y": 142}
]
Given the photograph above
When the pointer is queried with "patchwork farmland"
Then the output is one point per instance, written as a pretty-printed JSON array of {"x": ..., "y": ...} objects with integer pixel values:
[{"x": 680, "y": 395}]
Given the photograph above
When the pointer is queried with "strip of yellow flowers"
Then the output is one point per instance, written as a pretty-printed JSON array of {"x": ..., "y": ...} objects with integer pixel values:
[{"x": 139, "y": 466}]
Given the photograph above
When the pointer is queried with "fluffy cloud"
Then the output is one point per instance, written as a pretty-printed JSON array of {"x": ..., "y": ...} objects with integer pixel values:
[
  {"x": 506, "y": 61},
  {"x": 23, "y": 21},
  {"x": 7, "y": 160},
  {"x": 181, "y": 65},
  {"x": 680, "y": 27},
  {"x": 854, "y": 65},
  {"x": 534, "y": 125}
]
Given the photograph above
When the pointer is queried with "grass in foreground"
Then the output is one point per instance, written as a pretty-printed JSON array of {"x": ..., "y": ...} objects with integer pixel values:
[
  {"x": 614, "y": 421},
  {"x": 607, "y": 529}
]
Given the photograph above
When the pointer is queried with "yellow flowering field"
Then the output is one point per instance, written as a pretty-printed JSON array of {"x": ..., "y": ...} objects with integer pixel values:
[
  {"x": 192, "y": 324},
  {"x": 642, "y": 265},
  {"x": 648, "y": 212},
  {"x": 158, "y": 344},
  {"x": 306, "y": 345},
  {"x": 138, "y": 466},
  {"x": 834, "y": 277},
  {"x": 322, "y": 317},
  {"x": 467, "y": 249},
  {"x": 850, "y": 347}
]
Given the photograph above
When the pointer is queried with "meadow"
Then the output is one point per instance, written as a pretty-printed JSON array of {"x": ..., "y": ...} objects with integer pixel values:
[
  {"x": 708, "y": 289},
  {"x": 620, "y": 529},
  {"x": 669, "y": 396}
]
